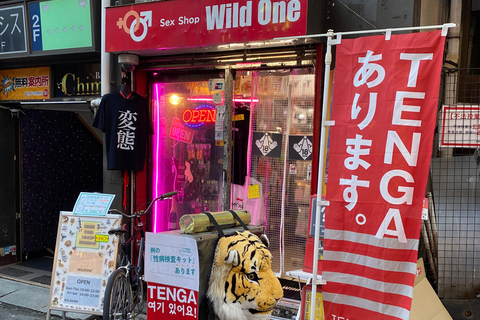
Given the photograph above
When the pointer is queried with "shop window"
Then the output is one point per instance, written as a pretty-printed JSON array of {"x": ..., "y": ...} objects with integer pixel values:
[{"x": 272, "y": 124}]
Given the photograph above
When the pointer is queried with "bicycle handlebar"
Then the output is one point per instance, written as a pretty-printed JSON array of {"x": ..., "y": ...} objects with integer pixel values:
[{"x": 141, "y": 213}]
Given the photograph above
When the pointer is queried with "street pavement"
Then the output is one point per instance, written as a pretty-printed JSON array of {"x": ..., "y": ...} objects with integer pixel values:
[
  {"x": 21, "y": 300},
  {"x": 28, "y": 301}
]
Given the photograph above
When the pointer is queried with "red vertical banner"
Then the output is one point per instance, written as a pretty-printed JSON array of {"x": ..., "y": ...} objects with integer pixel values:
[{"x": 384, "y": 108}]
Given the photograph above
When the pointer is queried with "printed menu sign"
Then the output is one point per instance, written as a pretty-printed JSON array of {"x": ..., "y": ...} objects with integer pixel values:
[
  {"x": 85, "y": 256},
  {"x": 94, "y": 204}
]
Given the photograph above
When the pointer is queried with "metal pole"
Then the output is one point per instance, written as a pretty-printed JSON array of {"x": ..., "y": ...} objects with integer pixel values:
[
  {"x": 328, "y": 62},
  {"x": 105, "y": 57},
  {"x": 227, "y": 139}
]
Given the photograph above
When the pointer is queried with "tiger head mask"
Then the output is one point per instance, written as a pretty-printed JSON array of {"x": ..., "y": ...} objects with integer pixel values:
[{"x": 242, "y": 284}]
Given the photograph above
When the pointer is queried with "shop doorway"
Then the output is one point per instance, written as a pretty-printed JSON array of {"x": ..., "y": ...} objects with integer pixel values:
[
  {"x": 8, "y": 187},
  {"x": 272, "y": 112}
]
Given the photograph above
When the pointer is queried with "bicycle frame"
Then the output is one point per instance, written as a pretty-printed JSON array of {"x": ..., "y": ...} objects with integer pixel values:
[{"x": 131, "y": 240}]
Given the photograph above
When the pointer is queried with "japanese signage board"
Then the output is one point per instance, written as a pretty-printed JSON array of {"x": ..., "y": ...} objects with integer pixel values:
[
  {"x": 13, "y": 38},
  {"x": 77, "y": 80},
  {"x": 25, "y": 84},
  {"x": 384, "y": 108},
  {"x": 460, "y": 126},
  {"x": 172, "y": 271},
  {"x": 186, "y": 23},
  {"x": 85, "y": 256},
  {"x": 60, "y": 24},
  {"x": 93, "y": 204}
]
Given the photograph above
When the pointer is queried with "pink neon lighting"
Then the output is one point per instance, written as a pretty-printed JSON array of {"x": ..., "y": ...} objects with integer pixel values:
[
  {"x": 158, "y": 187},
  {"x": 254, "y": 100}
]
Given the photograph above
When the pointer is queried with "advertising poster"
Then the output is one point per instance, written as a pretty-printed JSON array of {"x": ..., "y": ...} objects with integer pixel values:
[
  {"x": 384, "y": 107},
  {"x": 25, "y": 84},
  {"x": 85, "y": 257},
  {"x": 172, "y": 272}
]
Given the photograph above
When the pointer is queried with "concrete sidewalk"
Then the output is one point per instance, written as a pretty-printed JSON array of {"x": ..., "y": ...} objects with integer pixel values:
[{"x": 34, "y": 297}]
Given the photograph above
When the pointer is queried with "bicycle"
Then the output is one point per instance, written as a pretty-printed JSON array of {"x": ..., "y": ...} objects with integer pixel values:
[{"x": 125, "y": 290}]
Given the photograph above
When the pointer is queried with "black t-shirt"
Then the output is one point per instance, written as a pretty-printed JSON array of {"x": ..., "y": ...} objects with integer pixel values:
[{"x": 126, "y": 125}]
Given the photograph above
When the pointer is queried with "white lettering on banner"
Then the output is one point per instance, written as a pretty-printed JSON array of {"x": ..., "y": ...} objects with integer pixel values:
[
  {"x": 350, "y": 193},
  {"x": 372, "y": 74},
  {"x": 407, "y": 191},
  {"x": 352, "y": 163},
  {"x": 415, "y": 58},
  {"x": 372, "y": 106},
  {"x": 188, "y": 20},
  {"x": 399, "y": 107},
  {"x": 410, "y": 157},
  {"x": 171, "y": 294},
  {"x": 367, "y": 70},
  {"x": 231, "y": 15},
  {"x": 216, "y": 16},
  {"x": 399, "y": 231}
]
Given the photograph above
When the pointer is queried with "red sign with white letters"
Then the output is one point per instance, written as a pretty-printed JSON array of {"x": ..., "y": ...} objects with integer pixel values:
[
  {"x": 187, "y": 23},
  {"x": 384, "y": 108},
  {"x": 169, "y": 302}
]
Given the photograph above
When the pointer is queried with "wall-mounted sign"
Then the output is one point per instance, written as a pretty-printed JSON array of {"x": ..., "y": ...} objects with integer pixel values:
[
  {"x": 199, "y": 116},
  {"x": 60, "y": 24},
  {"x": 77, "y": 80},
  {"x": 161, "y": 25},
  {"x": 12, "y": 30},
  {"x": 460, "y": 126},
  {"x": 267, "y": 144},
  {"x": 300, "y": 147},
  {"x": 25, "y": 84}
]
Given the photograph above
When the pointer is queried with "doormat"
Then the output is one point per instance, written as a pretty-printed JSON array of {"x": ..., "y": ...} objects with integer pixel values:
[
  {"x": 12, "y": 272},
  {"x": 43, "y": 280}
]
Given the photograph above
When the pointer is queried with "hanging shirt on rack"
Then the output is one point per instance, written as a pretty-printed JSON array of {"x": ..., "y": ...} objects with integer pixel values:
[{"x": 125, "y": 122}]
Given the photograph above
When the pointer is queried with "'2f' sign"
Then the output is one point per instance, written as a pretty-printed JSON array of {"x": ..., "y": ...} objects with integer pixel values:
[{"x": 144, "y": 19}]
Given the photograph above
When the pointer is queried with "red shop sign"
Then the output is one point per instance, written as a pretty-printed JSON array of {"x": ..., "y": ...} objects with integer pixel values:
[
  {"x": 169, "y": 302},
  {"x": 186, "y": 23}
]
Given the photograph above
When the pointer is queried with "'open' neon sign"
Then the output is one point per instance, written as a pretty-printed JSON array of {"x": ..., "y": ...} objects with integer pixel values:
[{"x": 199, "y": 116}]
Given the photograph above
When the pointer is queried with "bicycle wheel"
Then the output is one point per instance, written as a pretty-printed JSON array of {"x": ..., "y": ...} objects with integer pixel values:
[{"x": 118, "y": 299}]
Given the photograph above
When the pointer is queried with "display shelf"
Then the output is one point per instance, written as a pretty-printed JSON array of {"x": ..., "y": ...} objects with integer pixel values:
[{"x": 307, "y": 276}]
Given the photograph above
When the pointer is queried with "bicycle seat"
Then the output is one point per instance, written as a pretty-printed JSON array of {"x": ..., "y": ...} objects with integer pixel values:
[{"x": 118, "y": 231}]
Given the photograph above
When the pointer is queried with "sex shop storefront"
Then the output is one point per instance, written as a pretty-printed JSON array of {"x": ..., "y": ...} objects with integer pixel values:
[{"x": 213, "y": 68}]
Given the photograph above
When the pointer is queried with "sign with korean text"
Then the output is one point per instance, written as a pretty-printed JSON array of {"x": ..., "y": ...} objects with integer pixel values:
[
  {"x": 165, "y": 24},
  {"x": 460, "y": 126},
  {"x": 172, "y": 271},
  {"x": 60, "y": 24},
  {"x": 384, "y": 108},
  {"x": 85, "y": 256},
  {"x": 25, "y": 84},
  {"x": 13, "y": 38}
]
